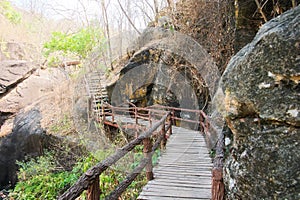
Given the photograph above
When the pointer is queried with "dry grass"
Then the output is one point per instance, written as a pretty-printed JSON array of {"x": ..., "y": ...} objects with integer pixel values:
[
  {"x": 210, "y": 23},
  {"x": 33, "y": 30}
]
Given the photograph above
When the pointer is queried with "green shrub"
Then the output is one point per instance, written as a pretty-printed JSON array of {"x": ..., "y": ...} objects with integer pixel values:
[
  {"x": 78, "y": 44},
  {"x": 9, "y": 12},
  {"x": 44, "y": 178}
]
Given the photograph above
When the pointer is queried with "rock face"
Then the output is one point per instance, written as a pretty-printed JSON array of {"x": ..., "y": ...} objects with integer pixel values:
[
  {"x": 26, "y": 140},
  {"x": 261, "y": 88},
  {"x": 14, "y": 72},
  {"x": 168, "y": 68},
  {"x": 21, "y": 84}
]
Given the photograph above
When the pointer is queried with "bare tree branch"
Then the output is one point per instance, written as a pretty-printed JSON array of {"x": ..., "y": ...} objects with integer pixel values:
[
  {"x": 132, "y": 24},
  {"x": 105, "y": 18},
  {"x": 150, "y": 6},
  {"x": 143, "y": 11},
  {"x": 155, "y": 6},
  {"x": 294, "y": 3},
  {"x": 261, "y": 11}
]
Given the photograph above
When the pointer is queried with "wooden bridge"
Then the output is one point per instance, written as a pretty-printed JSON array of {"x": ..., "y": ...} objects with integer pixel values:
[{"x": 184, "y": 170}]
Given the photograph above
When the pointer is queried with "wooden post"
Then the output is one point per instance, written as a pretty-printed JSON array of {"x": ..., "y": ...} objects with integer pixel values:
[
  {"x": 135, "y": 115},
  {"x": 164, "y": 140},
  {"x": 201, "y": 119},
  {"x": 93, "y": 191},
  {"x": 218, "y": 187},
  {"x": 207, "y": 124},
  {"x": 150, "y": 118},
  {"x": 147, "y": 154},
  {"x": 113, "y": 114},
  {"x": 170, "y": 122},
  {"x": 103, "y": 112}
]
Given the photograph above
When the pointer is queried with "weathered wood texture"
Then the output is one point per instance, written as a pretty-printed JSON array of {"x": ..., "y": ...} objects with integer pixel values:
[
  {"x": 88, "y": 177},
  {"x": 183, "y": 171},
  {"x": 93, "y": 191}
]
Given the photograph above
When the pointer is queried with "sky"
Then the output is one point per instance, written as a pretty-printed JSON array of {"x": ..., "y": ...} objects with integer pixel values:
[
  {"x": 81, "y": 10},
  {"x": 58, "y": 9}
]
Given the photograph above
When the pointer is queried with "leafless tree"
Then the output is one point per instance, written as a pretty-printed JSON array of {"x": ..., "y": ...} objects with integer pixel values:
[
  {"x": 128, "y": 18},
  {"x": 107, "y": 31}
]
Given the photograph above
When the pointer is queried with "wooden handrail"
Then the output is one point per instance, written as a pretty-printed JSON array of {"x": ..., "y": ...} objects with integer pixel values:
[
  {"x": 128, "y": 180},
  {"x": 88, "y": 178},
  {"x": 150, "y": 114},
  {"x": 157, "y": 111}
]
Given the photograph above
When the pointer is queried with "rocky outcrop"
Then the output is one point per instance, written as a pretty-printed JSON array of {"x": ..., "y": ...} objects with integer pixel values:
[
  {"x": 24, "y": 87},
  {"x": 21, "y": 84},
  {"x": 29, "y": 139},
  {"x": 14, "y": 72},
  {"x": 18, "y": 51},
  {"x": 164, "y": 61},
  {"x": 168, "y": 68},
  {"x": 26, "y": 140},
  {"x": 261, "y": 107}
]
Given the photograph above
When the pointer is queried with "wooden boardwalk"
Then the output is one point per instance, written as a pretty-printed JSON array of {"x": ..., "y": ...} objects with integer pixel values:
[
  {"x": 183, "y": 171},
  {"x": 184, "y": 168}
]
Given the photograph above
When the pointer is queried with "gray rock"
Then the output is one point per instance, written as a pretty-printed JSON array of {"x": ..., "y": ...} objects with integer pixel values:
[
  {"x": 26, "y": 140},
  {"x": 29, "y": 140},
  {"x": 25, "y": 85},
  {"x": 261, "y": 106},
  {"x": 14, "y": 72}
]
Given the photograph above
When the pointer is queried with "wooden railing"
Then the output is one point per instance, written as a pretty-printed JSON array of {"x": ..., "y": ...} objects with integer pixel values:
[
  {"x": 201, "y": 118},
  {"x": 152, "y": 113},
  {"x": 158, "y": 116},
  {"x": 90, "y": 180}
]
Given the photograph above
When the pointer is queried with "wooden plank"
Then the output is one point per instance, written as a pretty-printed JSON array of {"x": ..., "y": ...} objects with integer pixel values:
[
  {"x": 154, "y": 197},
  {"x": 156, "y": 187},
  {"x": 181, "y": 170},
  {"x": 180, "y": 185},
  {"x": 203, "y": 181},
  {"x": 182, "y": 179},
  {"x": 165, "y": 192}
]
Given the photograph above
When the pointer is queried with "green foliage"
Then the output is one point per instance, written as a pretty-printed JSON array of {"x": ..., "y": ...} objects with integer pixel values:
[
  {"x": 78, "y": 44},
  {"x": 43, "y": 178},
  {"x": 40, "y": 179},
  {"x": 212, "y": 153},
  {"x": 9, "y": 12}
]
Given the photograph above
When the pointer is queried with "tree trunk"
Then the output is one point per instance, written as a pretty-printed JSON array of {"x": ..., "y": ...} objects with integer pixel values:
[{"x": 105, "y": 18}]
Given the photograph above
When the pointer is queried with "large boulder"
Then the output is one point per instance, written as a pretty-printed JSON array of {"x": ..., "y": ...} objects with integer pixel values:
[
  {"x": 23, "y": 83},
  {"x": 26, "y": 140},
  {"x": 261, "y": 107},
  {"x": 25, "y": 86},
  {"x": 29, "y": 139}
]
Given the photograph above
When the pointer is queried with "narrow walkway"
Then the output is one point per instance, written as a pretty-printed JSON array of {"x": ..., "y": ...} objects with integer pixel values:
[
  {"x": 97, "y": 92},
  {"x": 183, "y": 171}
]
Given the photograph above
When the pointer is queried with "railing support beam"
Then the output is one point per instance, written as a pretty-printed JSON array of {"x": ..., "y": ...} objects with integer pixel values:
[
  {"x": 218, "y": 188},
  {"x": 148, "y": 155},
  {"x": 93, "y": 191}
]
